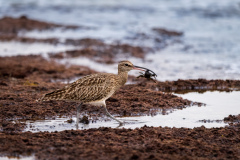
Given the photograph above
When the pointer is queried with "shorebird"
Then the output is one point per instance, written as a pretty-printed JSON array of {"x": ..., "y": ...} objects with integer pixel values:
[{"x": 94, "y": 89}]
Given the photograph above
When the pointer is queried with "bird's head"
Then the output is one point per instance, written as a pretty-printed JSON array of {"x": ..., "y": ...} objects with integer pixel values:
[{"x": 126, "y": 66}]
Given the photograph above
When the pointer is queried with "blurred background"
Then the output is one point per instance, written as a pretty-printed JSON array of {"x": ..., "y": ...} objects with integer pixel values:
[{"x": 178, "y": 39}]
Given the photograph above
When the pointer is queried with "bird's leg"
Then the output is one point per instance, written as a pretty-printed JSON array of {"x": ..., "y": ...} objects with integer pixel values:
[
  {"x": 121, "y": 123},
  {"x": 78, "y": 110}
]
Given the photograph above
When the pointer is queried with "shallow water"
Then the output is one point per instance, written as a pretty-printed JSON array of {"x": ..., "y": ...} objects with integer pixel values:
[
  {"x": 17, "y": 48},
  {"x": 209, "y": 48},
  {"x": 218, "y": 106},
  {"x": 17, "y": 158}
]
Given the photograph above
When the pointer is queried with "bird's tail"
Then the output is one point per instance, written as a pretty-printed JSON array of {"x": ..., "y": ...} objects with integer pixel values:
[{"x": 55, "y": 95}]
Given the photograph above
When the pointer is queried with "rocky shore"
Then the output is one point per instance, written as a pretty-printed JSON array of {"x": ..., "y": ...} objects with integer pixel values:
[{"x": 24, "y": 79}]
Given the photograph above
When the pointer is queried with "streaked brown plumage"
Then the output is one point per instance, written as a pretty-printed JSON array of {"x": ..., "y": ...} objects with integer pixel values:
[{"x": 93, "y": 89}]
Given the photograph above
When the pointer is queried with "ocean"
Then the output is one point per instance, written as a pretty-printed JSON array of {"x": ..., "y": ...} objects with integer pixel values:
[{"x": 209, "y": 47}]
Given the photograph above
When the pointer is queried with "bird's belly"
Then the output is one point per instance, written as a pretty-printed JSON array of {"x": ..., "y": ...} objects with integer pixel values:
[
  {"x": 97, "y": 103},
  {"x": 102, "y": 101}
]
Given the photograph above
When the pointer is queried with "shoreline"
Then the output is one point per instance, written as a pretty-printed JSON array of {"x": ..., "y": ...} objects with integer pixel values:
[{"x": 24, "y": 79}]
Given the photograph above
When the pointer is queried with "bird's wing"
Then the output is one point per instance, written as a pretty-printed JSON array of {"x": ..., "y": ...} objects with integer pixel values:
[{"x": 90, "y": 88}]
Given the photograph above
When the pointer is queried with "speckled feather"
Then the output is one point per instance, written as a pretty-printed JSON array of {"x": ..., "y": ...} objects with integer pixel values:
[{"x": 91, "y": 88}]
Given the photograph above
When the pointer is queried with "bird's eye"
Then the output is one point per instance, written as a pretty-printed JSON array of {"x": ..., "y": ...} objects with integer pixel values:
[{"x": 126, "y": 65}]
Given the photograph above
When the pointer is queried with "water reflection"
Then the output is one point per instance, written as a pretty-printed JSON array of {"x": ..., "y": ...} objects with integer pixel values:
[{"x": 218, "y": 106}]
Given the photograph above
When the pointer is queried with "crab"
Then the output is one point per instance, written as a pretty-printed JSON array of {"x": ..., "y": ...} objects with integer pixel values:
[{"x": 148, "y": 74}]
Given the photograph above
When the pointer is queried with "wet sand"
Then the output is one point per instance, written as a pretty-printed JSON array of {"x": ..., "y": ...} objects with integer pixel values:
[{"x": 24, "y": 79}]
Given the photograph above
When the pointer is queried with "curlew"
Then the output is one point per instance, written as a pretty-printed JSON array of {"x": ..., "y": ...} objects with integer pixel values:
[{"x": 94, "y": 89}]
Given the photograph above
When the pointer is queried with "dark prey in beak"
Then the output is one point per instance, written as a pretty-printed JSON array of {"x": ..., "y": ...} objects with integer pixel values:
[{"x": 148, "y": 73}]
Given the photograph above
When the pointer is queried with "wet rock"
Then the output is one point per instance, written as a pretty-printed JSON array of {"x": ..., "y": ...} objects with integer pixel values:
[
  {"x": 185, "y": 86},
  {"x": 70, "y": 121},
  {"x": 84, "y": 120},
  {"x": 141, "y": 143},
  {"x": 3, "y": 84},
  {"x": 12, "y": 26},
  {"x": 30, "y": 77},
  {"x": 10, "y": 126},
  {"x": 232, "y": 118},
  {"x": 100, "y": 51},
  {"x": 25, "y": 66},
  {"x": 10, "y": 37},
  {"x": 17, "y": 100},
  {"x": 165, "y": 32},
  {"x": 92, "y": 48},
  {"x": 210, "y": 121}
]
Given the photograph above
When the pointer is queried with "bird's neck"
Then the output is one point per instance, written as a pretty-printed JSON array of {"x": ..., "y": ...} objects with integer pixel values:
[{"x": 122, "y": 77}]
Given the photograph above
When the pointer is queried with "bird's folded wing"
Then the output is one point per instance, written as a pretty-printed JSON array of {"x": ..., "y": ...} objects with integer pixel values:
[{"x": 90, "y": 89}]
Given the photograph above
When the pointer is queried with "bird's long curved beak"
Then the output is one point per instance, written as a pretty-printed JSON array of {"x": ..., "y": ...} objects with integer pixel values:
[{"x": 139, "y": 68}]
